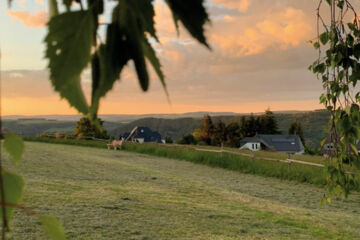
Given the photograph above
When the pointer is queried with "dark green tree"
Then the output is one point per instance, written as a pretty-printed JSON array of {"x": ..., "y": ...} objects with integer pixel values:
[
  {"x": 250, "y": 126},
  {"x": 220, "y": 133},
  {"x": 168, "y": 140},
  {"x": 86, "y": 128},
  {"x": 260, "y": 127},
  {"x": 207, "y": 130},
  {"x": 233, "y": 134},
  {"x": 296, "y": 129},
  {"x": 269, "y": 123},
  {"x": 242, "y": 125}
]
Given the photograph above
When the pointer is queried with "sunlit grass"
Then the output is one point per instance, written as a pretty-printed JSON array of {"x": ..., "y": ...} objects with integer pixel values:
[
  {"x": 101, "y": 194},
  {"x": 246, "y": 164}
]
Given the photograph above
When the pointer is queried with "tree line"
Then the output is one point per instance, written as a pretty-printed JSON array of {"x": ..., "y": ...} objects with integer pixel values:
[{"x": 222, "y": 134}]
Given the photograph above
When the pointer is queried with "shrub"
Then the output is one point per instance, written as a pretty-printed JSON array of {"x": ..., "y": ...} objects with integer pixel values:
[
  {"x": 187, "y": 139},
  {"x": 168, "y": 140},
  {"x": 59, "y": 135}
]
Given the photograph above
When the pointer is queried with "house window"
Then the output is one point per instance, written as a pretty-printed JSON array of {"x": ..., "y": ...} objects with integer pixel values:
[{"x": 253, "y": 146}]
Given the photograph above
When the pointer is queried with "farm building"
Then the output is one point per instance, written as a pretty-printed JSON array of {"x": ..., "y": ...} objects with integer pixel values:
[
  {"x": 278, "y": 143},
  {"x": 142, "y": 135},
  {"x": 328, "y": 149}
]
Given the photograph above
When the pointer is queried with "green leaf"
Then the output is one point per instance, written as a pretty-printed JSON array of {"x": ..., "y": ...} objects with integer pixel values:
[
  {"x": 124, "y": 41},
  {"x": 354, "y": 149},
  {"x": 53, "y": 8},
  {"x": 316, "y": 45},
  {"x": 151, "y": 56},
  {"x": 348, "y": 110},
  {"x": 52, "y": 227},
  {"x": 320, "y": 68},
  {"x": 144, "y": 10},
  {"x": 323, "y": 98},
  {"x": 67, "y": 4},
  {"x": 14, "y": 145},
  {"x": 112, "y": 57},
  {"x": 351, "y": 26},
  {"x": 340, "y": 4},
  {"x": 193, "y": 16},
  {"x": 324, "y": 38},
  {"x": 68, "y": 46},
  {"x": 13, "y": 190},
  {"x": 126, "y": 17}
]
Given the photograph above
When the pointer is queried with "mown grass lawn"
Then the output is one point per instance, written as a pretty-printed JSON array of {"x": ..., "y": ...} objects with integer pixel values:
[{"x": 102, "y": 194}]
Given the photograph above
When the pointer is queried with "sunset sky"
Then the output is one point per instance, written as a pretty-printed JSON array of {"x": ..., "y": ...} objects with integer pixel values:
[{"x": 259, "y": 59}]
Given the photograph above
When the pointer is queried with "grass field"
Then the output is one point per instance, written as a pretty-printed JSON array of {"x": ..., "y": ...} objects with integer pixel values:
[
  {"x": 236, "y": 162},
  {"x": 101, "y": 194}
]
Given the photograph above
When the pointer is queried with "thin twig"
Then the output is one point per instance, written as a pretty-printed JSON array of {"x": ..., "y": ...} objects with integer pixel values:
[{"x": 23, "y": 208}]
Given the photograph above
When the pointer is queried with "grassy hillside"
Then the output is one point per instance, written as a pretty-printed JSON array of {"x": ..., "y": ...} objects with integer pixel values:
[
  {"x": 233, "y": 160},
  {"x": 102, "y": 194}
]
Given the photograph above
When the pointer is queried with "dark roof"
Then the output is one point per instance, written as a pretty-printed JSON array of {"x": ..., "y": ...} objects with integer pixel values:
[
  {"x": 279, "y": 143},
  {"x": 250, "y": 139},
  {"x": 143, "y": 132}
]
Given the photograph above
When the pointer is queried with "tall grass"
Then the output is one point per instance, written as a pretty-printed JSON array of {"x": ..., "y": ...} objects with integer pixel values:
[{"x": 293, "y": 172}]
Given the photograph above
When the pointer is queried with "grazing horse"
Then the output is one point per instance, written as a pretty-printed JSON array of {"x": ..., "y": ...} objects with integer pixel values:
[{"x": 115, "y": 144}]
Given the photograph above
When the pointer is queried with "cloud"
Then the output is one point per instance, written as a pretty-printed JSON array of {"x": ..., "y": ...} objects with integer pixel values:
[
  {"x": 259, "y": 58},
  {"x": 16, "y": 75},
  {"x": 240, "y": 5},
  {"x": 281, "y": 29},
  {"x": 40, "y": 2},
  {"x": 36, "y": 20}
]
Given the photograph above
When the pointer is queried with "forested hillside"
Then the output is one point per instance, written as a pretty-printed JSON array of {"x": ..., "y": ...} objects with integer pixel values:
[
  {"x": 314, "y": 125},
  {"x": 33, "y": 127}
]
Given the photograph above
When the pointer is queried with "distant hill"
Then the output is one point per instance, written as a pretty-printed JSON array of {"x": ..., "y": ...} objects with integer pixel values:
[
  {"x": 175, "y": 126},
  {"x": 126, "y": 118},
  {"x": 314, "y": 125},
  {"x": 123, "y": 118},
  {"x": 33, "y": 127}
]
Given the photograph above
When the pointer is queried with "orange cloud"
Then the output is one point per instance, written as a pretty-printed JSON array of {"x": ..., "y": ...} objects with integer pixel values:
[
  {"x": 37, "y": 20},
  {"x": 281, "y": 30},
  {"x": 163, "y": 20},
  {"x": 240, "y": 5}
]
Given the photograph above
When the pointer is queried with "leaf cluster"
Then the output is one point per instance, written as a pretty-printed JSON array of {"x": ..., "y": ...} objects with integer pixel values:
[
  {"x": 338, "y": 68},
  {"x": 72, "y": 45},
  {"x": 12, "y": 190}
]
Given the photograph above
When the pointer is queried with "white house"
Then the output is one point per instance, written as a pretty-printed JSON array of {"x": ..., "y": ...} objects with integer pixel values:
[
  {"x": 279, "y": 143},
  {"x": 253, "y": 144}
]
